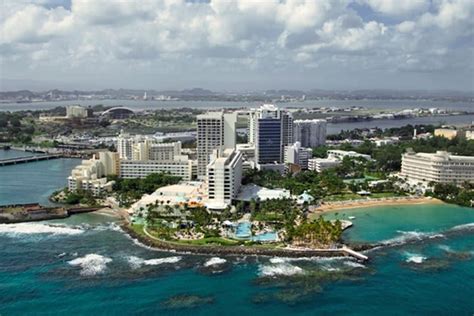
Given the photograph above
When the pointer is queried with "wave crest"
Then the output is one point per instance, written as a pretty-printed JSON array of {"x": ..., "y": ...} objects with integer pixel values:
[
  {"x": 91, "y": 264},
  {"x": 214, "y": 261},
  {"x": 37, "y": 228},
  {"x": 136, "y": 262},
  {"x": 279, "y": 269}
]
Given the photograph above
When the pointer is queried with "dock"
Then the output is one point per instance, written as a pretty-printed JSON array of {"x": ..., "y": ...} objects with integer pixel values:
[{"x": 19, "y": 160}]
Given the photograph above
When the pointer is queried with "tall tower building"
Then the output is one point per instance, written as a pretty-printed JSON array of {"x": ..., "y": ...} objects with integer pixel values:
[
  {"x": 270, "y": 129},
  {"x": 125, "y": 146},
  {"x": 215, "y": 130},
  {"x": 224, "y": 174},
  {"x": 310, "y": 133}
]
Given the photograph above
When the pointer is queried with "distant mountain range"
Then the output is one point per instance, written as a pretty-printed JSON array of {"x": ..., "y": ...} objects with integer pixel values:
[{"x": 204, "y": 94}]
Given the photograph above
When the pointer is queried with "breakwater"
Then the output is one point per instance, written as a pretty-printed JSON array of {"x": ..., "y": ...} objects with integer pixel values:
[{"x": 31, "y": 212}]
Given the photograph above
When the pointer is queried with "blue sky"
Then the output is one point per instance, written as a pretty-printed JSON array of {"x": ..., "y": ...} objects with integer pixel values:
[{"x": 237, "y": 45}]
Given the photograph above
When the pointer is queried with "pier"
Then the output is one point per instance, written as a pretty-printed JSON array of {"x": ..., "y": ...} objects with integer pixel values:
[{"x": 18, "y": 160}]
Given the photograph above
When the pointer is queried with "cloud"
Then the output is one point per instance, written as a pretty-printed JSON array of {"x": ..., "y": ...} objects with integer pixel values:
[
  {"x": 244, "y": 40},
  {"x": 398, "y": 7}
]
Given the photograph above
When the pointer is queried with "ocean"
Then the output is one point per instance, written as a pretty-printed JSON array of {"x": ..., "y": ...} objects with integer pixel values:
[{"x": 86, "y": 265}]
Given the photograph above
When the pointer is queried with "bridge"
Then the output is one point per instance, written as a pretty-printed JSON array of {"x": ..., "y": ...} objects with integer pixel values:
[{"x": 18, "y": 160}]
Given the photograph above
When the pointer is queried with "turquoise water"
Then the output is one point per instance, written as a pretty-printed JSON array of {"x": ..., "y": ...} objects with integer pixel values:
[
  {"x": 243, "y": 230},
  {"x": 85, "y": 265},
  {"x": 268, "y": 236}
]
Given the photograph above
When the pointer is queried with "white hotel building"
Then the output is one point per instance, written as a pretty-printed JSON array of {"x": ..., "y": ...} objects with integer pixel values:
[
  {"x": 181, "y": 166},
  {"x": 215, "y": 130},
  {"x": 440, "y": 167},
  {"x": 91, "y": 174},
  {"x": 224, "y": 175}
]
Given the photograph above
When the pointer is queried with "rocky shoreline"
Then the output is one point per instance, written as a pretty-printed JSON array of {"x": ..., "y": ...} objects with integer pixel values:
[{"x": 236, "y": 250}]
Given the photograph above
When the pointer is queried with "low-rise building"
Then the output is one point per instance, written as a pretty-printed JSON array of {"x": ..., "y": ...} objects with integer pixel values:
[
  {"x": 295, "y": 154},
  {"x": 321, "y": 164},
  {"x": 441, "y": 167},
  {"x": 446, "y": 133},
  {"x": 181, "y": 166},
  {"x": 340, "y": 154},
  {"x": 469, "y": 135},
  {"x": 91, "y": 174}
]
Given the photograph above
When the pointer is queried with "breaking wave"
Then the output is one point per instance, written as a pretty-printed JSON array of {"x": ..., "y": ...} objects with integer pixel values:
[
  {"x": 136, "y": 262},
  {"x": 467, "y": 226},
  {"x": 91, "y": 264},
  {"x": 279, "y": 269},
  {"x": 37, "y": 228},
  {"x": 410, "y": 236},
  {"x": 354, "y": 264},
  {"x": 214, "y": 261},
  {"x": 414, "y": 258}
]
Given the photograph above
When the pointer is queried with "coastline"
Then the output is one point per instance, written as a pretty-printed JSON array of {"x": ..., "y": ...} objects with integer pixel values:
[
  {"x": 353, "y": 204},
  {"x": 162, "y": 245}
]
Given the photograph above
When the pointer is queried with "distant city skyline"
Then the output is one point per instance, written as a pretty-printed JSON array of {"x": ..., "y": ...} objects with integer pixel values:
[{"x": 239, "y": 45}]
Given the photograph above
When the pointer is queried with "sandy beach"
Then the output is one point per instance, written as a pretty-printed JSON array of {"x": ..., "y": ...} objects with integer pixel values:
[{"x": 350, "y": 204}]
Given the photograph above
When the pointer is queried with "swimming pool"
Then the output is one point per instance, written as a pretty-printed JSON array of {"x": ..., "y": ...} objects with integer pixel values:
[
  {"x": 243, "y": 230},
  {"x": 268, "y": 236}
]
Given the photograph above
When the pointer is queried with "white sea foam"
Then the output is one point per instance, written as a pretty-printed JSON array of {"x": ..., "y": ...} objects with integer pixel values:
[
  {"x": 136, "y": 262},
  {"x": 37, "y": 228},
  {"x": 91, "y": 264},
  {"x": 214, "y": 261},
  {"x": 279, "y": 269},
  {"x": 410, "y": 236},
  {"x": 445, "y": 248},
  {"x": 278, "y": 260},
  {"x": 354, "y": 264},
  {"x": 329, "y": 268},
  {"x": 414, "y": 258},
  {"x": 463, "y": 227}
]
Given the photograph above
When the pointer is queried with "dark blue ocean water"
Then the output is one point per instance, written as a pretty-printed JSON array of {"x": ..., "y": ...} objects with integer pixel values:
[{"x": 86, "y": 265}]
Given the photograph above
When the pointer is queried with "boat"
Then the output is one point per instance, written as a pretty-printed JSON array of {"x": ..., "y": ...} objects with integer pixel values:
[{"x": 351, "y": 217}]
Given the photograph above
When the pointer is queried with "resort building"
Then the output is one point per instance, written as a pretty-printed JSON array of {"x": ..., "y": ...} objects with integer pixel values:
[
  {"x": 189, "y": 193},
  {"x": 441, "y": 167},
  {"x": 151, "y": 150},
  {"x": 320, "y": 164},
  {"x": 91, "y": 174},
  {"x": 295, "y": 154},
  {"x": 224, "y": 178},
  {"x": 310, "y": 133},
  {"x": 181, "y": 167},
  {"x": 340, "y": 154},
  {"x": 215, "y": 130},
  {"x": 254, "y": 192},
  {"x": 446, "y": 133}
]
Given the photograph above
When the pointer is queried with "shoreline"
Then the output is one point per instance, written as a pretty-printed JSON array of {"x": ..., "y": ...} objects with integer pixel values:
[
  {"x": 351, "y": 204},
  {"x": 162, "y": 245}
]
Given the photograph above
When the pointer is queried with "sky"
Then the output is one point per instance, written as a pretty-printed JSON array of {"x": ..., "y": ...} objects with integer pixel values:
[{"x": 237, "y": 45}]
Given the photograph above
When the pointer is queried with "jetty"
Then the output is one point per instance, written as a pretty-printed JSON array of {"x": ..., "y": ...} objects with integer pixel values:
[
  {"x": 19, "y": 160},
  {"x": 354, "y": 253},
  {"x": 31, "y": 212}
]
